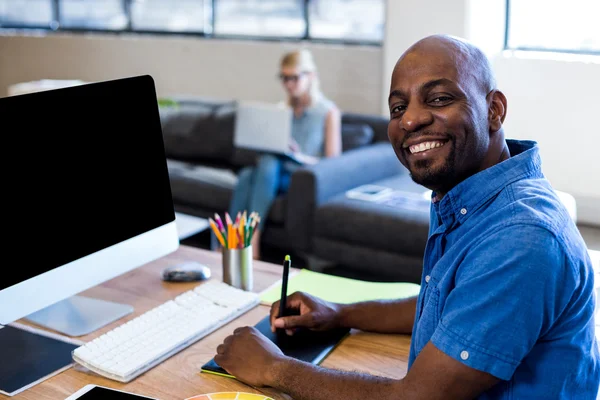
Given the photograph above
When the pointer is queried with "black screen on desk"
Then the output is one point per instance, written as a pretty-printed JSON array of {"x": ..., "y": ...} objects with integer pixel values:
[{"x": 83, "y": 168}]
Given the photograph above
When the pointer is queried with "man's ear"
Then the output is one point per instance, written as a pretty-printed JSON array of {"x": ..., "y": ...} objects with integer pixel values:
[{"x": 496, "y": 110}]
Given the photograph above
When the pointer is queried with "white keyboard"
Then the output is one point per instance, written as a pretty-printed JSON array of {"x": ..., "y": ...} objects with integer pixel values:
[{"x": 133, "y": 348}]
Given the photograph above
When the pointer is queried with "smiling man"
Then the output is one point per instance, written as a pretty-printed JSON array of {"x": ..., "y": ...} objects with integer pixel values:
[{"x": 506, "y": 307}]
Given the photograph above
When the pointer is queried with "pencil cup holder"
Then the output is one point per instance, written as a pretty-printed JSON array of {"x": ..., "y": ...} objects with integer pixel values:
[{"x": 237, "y": 268}]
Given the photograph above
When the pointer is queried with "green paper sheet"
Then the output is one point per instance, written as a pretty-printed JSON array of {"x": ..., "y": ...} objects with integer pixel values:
[{"x": 340, "y": 290}]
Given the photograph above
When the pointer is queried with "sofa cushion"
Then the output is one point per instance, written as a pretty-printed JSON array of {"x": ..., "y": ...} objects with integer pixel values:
[
  {"x": 244, "y": 157},
  {"x": 356, "y": 135},
  {"x": 390, "y": 227},
  {"x": 378, "y": 123},
  {"x": 200, "y": 186},
  {"x": 198, "y": 130}
]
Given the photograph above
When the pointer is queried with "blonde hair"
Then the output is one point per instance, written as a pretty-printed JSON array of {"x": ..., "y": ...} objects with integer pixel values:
[{"x": 303, "y": 60}]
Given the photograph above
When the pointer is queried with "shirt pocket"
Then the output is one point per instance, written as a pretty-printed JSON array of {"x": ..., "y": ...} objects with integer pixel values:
[{"x": 429, "y": 319}]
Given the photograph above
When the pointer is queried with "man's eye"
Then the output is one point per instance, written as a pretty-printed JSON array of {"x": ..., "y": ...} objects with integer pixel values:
[
  {"x": 398, "y": 109},
  {"x": 441, "y": 100}
]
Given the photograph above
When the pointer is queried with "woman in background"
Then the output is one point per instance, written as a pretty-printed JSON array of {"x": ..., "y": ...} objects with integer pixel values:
[{"x": 316, "y": 133}]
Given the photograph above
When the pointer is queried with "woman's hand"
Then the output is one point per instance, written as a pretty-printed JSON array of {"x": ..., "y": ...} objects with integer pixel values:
[
  {"x": 306, "y": 159},
  {"x": 301, "y": 157},
  {"x": 294, "y": 146}
]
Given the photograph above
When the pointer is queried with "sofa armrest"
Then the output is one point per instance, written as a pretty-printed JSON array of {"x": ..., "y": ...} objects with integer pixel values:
[{"x": 314, "y": 185}]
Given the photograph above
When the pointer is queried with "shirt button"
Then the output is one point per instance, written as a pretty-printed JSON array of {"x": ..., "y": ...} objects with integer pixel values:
[
  {"x": 463, "y": 211},
  {"x": 464, "y": 354},
  {"x": 427, "y": 278}
]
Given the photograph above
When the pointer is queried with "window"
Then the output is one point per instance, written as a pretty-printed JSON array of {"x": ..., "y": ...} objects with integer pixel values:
[
  {"x": 272, "y": 18},
  {"x": 554, "y": 25},
  {"x": 31, "y": 13},
  {"x": 349, "y": 21},
  {"x": 362, "y": 20},
  {"x": 171, "y": 16},
  {"x": 93, "y": 14}
]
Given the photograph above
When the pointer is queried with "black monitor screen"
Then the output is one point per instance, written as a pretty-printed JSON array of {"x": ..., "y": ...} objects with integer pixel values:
[{"x": 84, "y": 168}]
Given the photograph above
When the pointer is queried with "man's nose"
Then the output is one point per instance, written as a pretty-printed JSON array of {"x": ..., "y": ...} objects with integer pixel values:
[{"x": 415, "y": 118}]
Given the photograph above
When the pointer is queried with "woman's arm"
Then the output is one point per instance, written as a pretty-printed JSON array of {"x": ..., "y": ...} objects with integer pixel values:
[{"x": 333, "y": 133}]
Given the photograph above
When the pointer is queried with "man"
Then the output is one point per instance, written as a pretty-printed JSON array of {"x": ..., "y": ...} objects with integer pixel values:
[{"x": 506, "y": 307}]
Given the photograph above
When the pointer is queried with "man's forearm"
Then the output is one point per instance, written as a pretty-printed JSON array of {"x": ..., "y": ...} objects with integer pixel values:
[
  {"x": 303, "y": 381},
  {"x": 392, "y": 316}
]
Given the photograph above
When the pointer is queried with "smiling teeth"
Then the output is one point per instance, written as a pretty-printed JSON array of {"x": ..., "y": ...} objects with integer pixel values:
[{"x": 417, "y": 148}]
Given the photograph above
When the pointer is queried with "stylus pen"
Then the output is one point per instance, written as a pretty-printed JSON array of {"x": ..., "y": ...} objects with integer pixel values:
[{"x": 286, "y": 271}]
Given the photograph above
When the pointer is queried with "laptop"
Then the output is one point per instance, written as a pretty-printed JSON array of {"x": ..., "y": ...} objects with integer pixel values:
[{"x": 264, "y": 127}]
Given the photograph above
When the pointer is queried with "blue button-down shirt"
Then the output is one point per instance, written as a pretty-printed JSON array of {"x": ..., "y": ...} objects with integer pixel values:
[{"x": 508, "y": 285}]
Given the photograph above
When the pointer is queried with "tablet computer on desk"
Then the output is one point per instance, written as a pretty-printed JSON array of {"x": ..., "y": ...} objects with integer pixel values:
[
  {"x": 305, "y": 345},
  {"x": 95, "y": 392}
]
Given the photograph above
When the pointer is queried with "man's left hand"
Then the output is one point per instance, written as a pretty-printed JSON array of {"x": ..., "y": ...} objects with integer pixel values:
[{"x": 249, "y": 356}]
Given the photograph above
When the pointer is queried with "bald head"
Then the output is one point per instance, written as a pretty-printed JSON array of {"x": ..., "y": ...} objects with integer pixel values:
[
  {"x": 446, "y": 112},
  {"x": 468, "y": 60}
]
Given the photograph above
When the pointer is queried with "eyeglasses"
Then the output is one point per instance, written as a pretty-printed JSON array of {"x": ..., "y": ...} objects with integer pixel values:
[{"x": 292, "y": 78}]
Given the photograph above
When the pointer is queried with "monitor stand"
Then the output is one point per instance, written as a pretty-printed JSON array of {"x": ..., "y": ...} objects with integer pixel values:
[{"x": 78, "y": 315}]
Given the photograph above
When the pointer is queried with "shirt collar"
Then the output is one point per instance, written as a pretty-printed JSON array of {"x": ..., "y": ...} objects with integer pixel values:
[{"x": 469, "y": 195}]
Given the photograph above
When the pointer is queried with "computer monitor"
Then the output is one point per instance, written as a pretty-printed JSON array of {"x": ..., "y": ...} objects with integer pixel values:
[{"x": 86, "y": 198}]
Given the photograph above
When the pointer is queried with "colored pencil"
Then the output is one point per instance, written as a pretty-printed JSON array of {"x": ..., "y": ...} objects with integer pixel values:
[
  {"x": 242, "y": 230},
  {"x": 219, "y": 222},
  {"x": 217, "y": 232}
]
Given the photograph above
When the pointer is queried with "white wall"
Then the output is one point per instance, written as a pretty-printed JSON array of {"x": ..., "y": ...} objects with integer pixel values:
[
  {"x": 351, "y": 76},
  {"x": 556, "y": 103}
]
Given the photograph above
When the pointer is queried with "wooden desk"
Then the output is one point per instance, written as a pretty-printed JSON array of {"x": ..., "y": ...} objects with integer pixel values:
[{"x": 179, "y": 377}]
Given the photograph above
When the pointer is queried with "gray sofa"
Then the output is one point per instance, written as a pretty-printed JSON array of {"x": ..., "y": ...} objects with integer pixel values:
[{"x": 314, "y": 220}]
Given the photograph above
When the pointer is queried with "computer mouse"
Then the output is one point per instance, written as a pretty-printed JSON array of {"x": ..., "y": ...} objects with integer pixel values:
[{"x": 188, "y": 271}]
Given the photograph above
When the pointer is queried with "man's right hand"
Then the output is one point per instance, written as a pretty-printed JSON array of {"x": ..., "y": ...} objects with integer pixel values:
[{"x": 311, "y": 312}]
